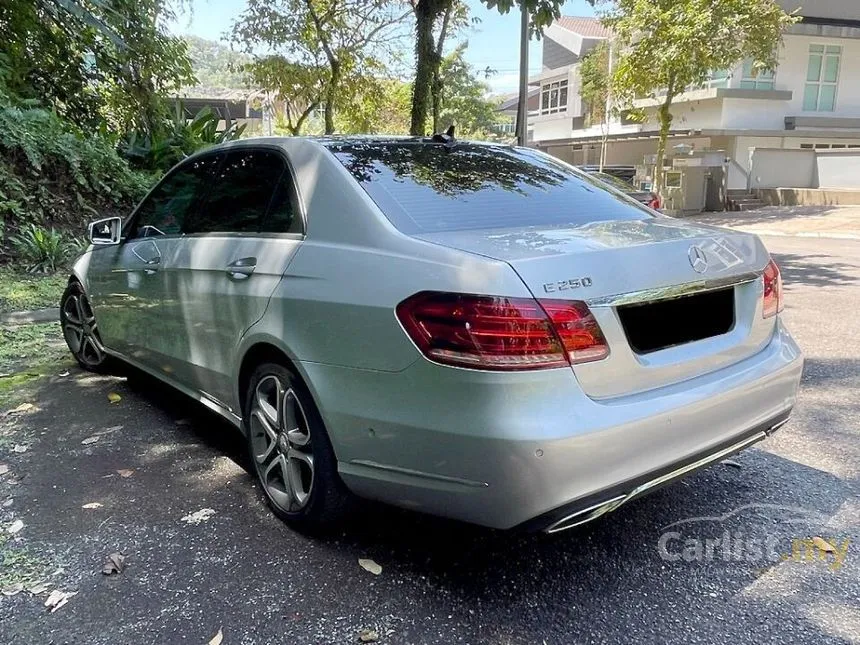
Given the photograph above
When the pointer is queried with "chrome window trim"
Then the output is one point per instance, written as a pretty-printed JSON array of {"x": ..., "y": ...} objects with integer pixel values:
[{"x": 673, "y": 291}]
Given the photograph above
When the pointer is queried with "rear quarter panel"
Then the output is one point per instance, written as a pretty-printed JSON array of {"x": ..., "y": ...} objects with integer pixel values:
[{"x": 336, "y": 302}]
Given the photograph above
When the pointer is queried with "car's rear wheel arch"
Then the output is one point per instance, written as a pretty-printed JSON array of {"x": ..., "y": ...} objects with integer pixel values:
[{"x": 265, "y": 352}]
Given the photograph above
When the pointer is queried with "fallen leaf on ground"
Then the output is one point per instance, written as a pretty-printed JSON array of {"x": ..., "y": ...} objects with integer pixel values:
[
  {"x": 217, "y": 638},
  {"x": 113, "y": 428},
  {"x": 21, "y": 408},
  {"x": 114, "y": 563},
  {"x": 15, "y": 526},
  {"x": 38, "y": 587},
  {"x": 730, "y": 462},
  {"x": 823, "y": 545},
  {"x": 4, "y": 469},
  {"x": 93, "y": 505},
  {"x": 11, "y": 590},
  {"x": 19, "y": 448},
  {"x": 113, "y": 397},
  {"x": 370, "y": 565},
  {"x": 199, "y": 516},
  {"x": 368, "y": 635},
  {"x": 125, "y": 472},
  {"x": 89, "y": 440},
  {"x": 58, "y": 598}
]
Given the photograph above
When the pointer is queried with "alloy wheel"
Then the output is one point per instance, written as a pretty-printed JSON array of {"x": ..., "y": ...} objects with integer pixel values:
[
  {"x": 81, "y": 331},
  {"x": 281, "y": 444}
]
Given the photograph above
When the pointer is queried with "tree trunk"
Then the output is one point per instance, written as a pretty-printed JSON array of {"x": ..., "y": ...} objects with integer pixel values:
[
  {"x": 436, "y": 98},
  {"x": 436, "y": 91},
  {"x": 604, "y": 141},
  {"x": 331, "y": 96},
  {"x": 425, "y": 55},
  {"x": 665, "y": 114}
]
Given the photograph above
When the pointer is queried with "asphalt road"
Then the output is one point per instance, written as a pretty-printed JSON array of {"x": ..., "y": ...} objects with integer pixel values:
[{"x": 243, "y": 572}]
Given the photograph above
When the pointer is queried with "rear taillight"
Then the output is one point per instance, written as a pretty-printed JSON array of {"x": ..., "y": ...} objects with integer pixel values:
[
  {"x": 772, "y": 302},
  {"x": 499, "y": 333}
]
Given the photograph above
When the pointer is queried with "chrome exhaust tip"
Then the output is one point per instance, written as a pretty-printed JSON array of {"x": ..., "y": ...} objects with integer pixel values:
[{"x": 586, "y": 514}]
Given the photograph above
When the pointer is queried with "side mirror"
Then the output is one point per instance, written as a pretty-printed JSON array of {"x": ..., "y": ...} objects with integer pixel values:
[{"x": 105, "y": 231}]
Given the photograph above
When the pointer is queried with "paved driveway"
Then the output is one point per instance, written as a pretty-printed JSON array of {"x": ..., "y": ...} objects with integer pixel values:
[{"x": 243, "y": 572}]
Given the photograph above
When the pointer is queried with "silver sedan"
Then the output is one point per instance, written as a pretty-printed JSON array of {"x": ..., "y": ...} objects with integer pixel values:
[{"x": 475, "y": 331}]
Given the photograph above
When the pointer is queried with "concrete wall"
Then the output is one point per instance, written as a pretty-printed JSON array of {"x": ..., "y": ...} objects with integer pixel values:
[
  {"x": 795, "y": 168},
  {"x": 551, "y": 126},
  {"x": 838, "y": 168},
  {"x": 778, "y": 167},
  {"x": 809, "y": 196}
]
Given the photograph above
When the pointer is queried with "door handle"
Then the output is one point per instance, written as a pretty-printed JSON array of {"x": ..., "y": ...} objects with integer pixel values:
[{"x": 242, "y": 268}]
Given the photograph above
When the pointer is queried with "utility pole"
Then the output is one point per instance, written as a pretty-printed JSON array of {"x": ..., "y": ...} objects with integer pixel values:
[{"x": 523, "y": 104}]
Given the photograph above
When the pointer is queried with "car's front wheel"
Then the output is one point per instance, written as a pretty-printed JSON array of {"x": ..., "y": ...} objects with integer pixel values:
[
  {"x": 290, "y": 450},
  {"x": 81, "y": 330}
]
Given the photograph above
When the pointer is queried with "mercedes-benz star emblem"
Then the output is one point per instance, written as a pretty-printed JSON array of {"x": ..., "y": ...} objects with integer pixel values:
[{"x": 698, "y": 259}]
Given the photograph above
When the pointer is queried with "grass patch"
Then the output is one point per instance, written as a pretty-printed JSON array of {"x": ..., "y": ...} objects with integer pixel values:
[
  {"x": 28, "y": 353},
  {"x": 24, "y": 291},
  {"x": 31, "y": 346},
  {"x": 18, "y": 565}
]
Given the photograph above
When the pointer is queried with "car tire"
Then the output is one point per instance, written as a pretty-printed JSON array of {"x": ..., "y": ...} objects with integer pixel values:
[
  {"x": 291, "y": 453},
  {"x": 80, "y": 330}
]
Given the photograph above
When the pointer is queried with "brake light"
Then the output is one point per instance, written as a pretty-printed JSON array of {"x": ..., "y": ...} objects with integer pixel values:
[
  {"x": 500, "y": 333},
  {"x": 772, "y": 302}
]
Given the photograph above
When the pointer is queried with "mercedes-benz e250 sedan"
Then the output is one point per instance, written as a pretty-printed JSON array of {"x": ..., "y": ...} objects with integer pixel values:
[{"x": 475, "y": 331}]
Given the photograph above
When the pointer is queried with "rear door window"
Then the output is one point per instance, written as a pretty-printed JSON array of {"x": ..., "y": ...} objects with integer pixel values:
[
  {"x": 241, "y": 193},
  {"x": 426, "y": 187},
  {"x": 166, "y": 208}
]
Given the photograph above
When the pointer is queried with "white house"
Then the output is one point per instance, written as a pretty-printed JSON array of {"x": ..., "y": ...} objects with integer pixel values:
[{"x": 812, "y": 100}]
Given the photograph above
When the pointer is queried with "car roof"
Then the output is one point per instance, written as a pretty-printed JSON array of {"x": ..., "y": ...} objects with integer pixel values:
[{"x": 337, "y": 140}]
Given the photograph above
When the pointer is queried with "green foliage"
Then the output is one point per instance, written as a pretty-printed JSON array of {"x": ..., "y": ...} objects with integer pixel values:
[
  {"x": 349, "y": 39},
  {"x": 174, "y": 139},
  {"x": 595, "y": 84},
  {"x": 51, "y": 169},
  {"x": 215, "y": 64},
  {"x": 296, "y": 88},
  {"x": 666, "y": 46},
  {"x": 43, "y": 250},
  {"x": 464, "y": 100},
  {"x": 102, "y": 64}
]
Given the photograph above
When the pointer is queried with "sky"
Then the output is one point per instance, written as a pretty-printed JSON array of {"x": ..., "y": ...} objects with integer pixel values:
[{"x": 493, "y": 43}]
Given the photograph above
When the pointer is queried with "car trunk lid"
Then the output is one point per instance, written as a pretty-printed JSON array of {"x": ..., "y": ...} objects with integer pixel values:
[{"x": 674, "y": 300}]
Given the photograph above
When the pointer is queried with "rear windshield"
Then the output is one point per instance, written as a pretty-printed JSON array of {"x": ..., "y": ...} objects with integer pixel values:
[{"x": 424, "y": 187}]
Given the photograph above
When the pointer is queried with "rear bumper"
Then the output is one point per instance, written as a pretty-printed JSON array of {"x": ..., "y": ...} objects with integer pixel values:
[{"x": 530, "y": 449}]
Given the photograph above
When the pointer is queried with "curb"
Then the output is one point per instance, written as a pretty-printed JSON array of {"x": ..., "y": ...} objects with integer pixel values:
[{"x": 29, "y": 317}]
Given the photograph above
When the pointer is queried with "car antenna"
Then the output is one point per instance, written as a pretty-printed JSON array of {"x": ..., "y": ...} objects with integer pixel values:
[{"x": 446, "y": 139}]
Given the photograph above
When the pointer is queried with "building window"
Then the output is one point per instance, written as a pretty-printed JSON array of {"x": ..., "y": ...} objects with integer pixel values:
[
  {"x": 718, "y": 78},
  {"x": 752, "y": 79},
  {"x": 553, "y": 97},
  {"x": 822, "y": 77}
]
